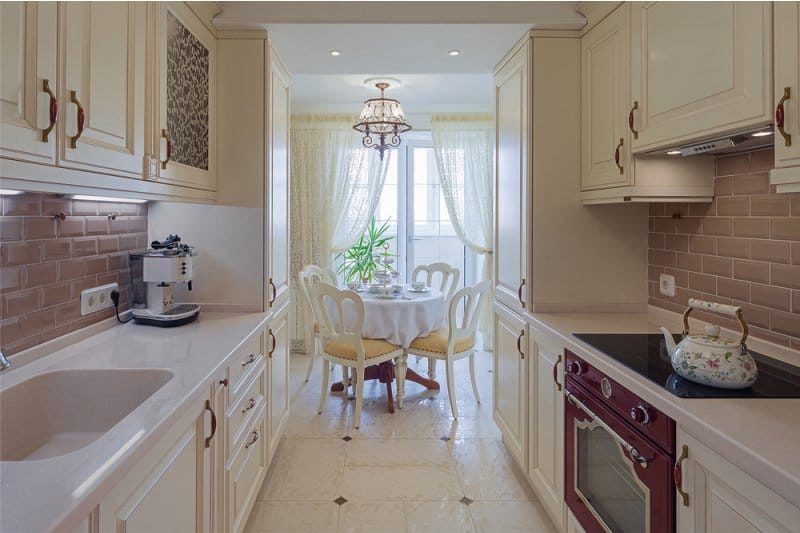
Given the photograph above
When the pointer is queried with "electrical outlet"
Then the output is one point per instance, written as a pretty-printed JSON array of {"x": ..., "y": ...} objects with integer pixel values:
[
  {"x": 97, "y": 298},
  {"x": 666, "y": 284}
]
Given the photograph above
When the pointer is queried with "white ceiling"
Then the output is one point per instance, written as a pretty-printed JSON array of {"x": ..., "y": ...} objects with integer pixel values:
[{"x": 405, "y": 40}]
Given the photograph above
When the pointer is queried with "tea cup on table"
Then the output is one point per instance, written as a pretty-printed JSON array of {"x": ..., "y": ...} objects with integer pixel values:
[{"x": 418, "y": 285}]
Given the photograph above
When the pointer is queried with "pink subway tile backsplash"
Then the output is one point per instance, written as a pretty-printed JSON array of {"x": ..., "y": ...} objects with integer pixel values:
[
  {"x": 743, "y": 249},
  {"x": 45, "y": 262}
]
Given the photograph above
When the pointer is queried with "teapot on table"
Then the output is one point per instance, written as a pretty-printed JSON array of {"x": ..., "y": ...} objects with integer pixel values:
[{"x": 710, "y": 359}]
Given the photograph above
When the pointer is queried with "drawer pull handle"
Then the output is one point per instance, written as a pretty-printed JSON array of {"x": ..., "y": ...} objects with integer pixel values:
[
  {"x": 555, "y": 374},
  {"x": 253, "y": 439},
  {"x": 213, "y": 423},
  {"x": 677, "y": 476},
  {"x": 616, "y": 155},
  {"x": 630, "y": 119},
  {"x": 164, "y": 162},
  {"x": 519, "y": 344},
  {"x": 251, "y": 359},
  {"x": 81, "y": 119},
  {"x": 780, "y": 117},
  {"x": 250, "y": 404},
  {"x": 272, "y": 343},
  {"x": 519, "y": 292},
  {"x": 53, "y": 110}
]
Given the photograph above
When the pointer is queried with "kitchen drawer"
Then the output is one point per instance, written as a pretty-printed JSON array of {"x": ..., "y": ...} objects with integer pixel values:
[
  {"x": 246, "y": 471},
  {"x": 249, "y": 356},
  {"x": 250, "y": 402}
]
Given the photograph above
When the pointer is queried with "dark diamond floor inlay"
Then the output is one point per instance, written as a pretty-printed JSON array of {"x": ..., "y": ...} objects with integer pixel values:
[
  {"x": 445, "y": 438},
  {"x": 341, "y": 500},
  {"x": 347, "y": 438},
  {"x": 465, "y": 500}
]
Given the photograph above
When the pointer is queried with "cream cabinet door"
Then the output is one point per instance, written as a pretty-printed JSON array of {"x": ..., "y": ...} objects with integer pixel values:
[
  {"x": 513, "y": 123},
  {"x": 184, "y": 138},
  {"x": 723, "y": 498},
  {"x": 605, "y": 100},
  {"x": 102, "y": 58},
  {"x": 278, "y": 181},
  {"x": 787, "y": 96},
  {"x": 546, "y": 429},
  {"x": 699, "y": 69},
  {"x": 510, "y": 381},
  {"x": 28, "y": 84},
  {"x": 278, "y": 382}
]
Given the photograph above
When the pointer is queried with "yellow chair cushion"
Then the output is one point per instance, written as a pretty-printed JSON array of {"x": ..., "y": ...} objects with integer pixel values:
[
  {"x": 372, "y": 348},
  {"x": 436, "y": 342}
]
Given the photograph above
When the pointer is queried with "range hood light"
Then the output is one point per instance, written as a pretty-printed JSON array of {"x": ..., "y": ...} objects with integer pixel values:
[
  {"x": 9, "y": 192},
  {"x": 762, "y": 133},
  {"x": 108, "y": 199},
  {"x": 674, "y": 152}
]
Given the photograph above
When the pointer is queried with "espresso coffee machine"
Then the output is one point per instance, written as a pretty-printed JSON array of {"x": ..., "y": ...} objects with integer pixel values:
[{"x": 154, "y": 275}]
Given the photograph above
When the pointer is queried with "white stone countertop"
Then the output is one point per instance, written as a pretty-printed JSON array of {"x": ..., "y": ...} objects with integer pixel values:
[
  {"x": 57, "y": 493},
  {"x": 758, "y": 435}
]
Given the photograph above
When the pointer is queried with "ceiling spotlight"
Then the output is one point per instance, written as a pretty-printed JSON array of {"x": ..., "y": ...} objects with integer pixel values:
[
  {"x": 674, "y": 152},
  {"x": 454, "y": 53},
  {"x": 335, "y": 53},
  {"x": 762, "y": 133}
]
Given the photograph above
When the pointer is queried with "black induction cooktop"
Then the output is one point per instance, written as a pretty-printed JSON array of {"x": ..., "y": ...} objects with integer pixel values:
[{"x": 646, "y": 354}]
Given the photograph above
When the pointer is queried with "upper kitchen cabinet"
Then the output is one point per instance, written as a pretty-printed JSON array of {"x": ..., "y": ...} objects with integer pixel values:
[
  {"x": 786, "y": 175},
  {"x": 184, "y": 129},
  {"x": 513, "y": 119},
  {"x": 605, "y": 98},
  {"x": 28, "y": 85},
  {"x": 102, "y": 81},
  {"x": 699, "y": 69}
]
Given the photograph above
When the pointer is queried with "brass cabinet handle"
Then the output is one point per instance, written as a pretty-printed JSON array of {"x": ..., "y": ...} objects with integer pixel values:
[
  {"x": 274, "y": 292},
  {"x": 224, "y": 382},
  {"x": 630, "y": 119},
  {"x": 519, "y": 344},
  {"x": 780, "y": 117},
  {"x": 53, "y": 110},
  {"x": 253, "y": 440},
  {"x": 213, "y": 423},
  {"x": 519, "y": 292},
  {"x": 273, "y": 343},
  {"x": 677, "y": 476},
  {"x": 555, "y": 374},
  {"x": 165, "y": 135},
  {"x": 250, "y": 404},
  {"x": 73, "y": 141},
  {"x": 249, "y": 360},
  {"x": 616, "y": 155}
]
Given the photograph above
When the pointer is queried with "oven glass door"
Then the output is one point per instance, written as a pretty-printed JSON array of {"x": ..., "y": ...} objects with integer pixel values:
[{"x": 615, "y": 479}]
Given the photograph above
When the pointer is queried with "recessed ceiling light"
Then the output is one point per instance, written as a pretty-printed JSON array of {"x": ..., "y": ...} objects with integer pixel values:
[
  {"x": 335, "y": 53},
  {"x": 674, "y": 152},
  {"x": 762, "y": 133},
  {"x": 454, "y": 53}
]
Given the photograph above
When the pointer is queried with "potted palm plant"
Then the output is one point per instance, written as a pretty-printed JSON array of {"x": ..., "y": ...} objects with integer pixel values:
[{"x": 367, "y": 256}]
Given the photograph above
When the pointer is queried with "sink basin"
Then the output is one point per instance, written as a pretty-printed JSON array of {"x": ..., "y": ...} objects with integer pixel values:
[{"x": 60, "y": 412}]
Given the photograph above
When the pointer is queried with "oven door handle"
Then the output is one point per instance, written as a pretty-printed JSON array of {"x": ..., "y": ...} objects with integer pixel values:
[{"x": 630, "y": 448}]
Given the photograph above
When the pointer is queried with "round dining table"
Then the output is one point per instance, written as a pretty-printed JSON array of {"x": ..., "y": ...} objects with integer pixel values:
[{"x": 399, "y": 320}]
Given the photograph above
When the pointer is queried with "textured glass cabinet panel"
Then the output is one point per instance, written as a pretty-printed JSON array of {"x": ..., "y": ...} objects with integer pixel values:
[{"x": 187, "y": 95}]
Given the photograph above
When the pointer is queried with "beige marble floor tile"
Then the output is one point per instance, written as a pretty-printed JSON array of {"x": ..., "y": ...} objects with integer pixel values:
[
  {"x": 372, "y": 517},
  {"x": 316, "y": 426},
  {"x": 487, "y": 471},
  {"x": 293, "y": 517},
  {"x": 470, "y": 428},
  {"x": 402, "y": 424},
  {"x": 398, "y": 452},
  {"x": 276, "y": 475},
  {"x": 508, "y": 517},
  {"x": 412, "y": 483},
  {"x": 441, "y": 517},
  {"x": 315, "y": 470}
]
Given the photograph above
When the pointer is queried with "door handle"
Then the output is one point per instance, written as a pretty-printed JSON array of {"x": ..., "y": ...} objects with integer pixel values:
[
  {"x": 53, "y": 111},
  {"x": 519, "y": 292},
  {"x": 780, "y": 117},
  {"x": 165, "y": 135},
  {"x": 555, "y": 374},
  {"x": 274, "y": 292},
  {"x": 273, "y": 343},
  {"x": 519, "y": 344},
  {"x": 213, "y": 423},
  {"x": 616, "y": 155},
  {"x": 630, "y": 120},
  {"x": 677, "y": 476},
  {"x": 81, "y": 119}
]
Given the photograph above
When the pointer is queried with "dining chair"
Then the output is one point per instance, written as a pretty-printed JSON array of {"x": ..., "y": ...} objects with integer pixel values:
[
  {"x": 309, "y": 276},
  {"x": 343, "y": 343},
  {"x": 448, "y": 283},
  {"x": 457, "y": 342}
]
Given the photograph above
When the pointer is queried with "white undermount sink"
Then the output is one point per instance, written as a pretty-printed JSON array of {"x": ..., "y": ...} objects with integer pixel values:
[{"x": 60, "y": 412}]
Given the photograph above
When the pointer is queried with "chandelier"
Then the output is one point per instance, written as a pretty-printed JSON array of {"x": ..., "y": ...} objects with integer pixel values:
[{"x": 382, "y": 121}]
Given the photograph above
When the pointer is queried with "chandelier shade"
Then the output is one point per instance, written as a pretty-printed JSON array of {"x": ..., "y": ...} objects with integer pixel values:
[{"x": 382, "y": 120}]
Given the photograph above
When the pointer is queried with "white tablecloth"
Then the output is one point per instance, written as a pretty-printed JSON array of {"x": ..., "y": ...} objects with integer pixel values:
[{"x": 401, "y": 320}]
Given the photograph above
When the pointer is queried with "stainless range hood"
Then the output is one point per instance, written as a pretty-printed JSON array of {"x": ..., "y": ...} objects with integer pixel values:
[{"x": 728, "y": 144}]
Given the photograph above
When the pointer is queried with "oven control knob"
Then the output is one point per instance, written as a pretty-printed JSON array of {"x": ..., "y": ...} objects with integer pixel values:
[
  {"x": 640, "y": 414},
  {"x": 575, "y": 367}
]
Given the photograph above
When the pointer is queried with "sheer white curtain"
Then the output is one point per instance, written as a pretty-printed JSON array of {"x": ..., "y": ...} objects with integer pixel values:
[
  {"x": 335, "y": 187},
  {"x": 464, "y": 149}
]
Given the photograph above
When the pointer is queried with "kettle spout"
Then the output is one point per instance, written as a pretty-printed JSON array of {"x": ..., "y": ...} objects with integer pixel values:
[{"x": 669, "y": 340}]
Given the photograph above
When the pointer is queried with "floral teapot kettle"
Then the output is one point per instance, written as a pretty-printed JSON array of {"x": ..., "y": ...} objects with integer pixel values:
[{"x": 710, "y": 359}]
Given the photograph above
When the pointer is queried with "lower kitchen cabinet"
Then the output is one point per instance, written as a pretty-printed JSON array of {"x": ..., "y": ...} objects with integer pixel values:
[
  {"x": 510, "y": 381},
  {"x": 721, "y": 497},
  {"x": 278, "y": 380}
]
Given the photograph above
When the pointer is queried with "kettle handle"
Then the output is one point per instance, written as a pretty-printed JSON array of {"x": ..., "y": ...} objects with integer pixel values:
[{"x": 722, "y": 309}]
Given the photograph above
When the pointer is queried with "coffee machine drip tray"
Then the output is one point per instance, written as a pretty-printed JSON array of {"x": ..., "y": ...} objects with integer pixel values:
[{"x": 179, "y": 315}]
